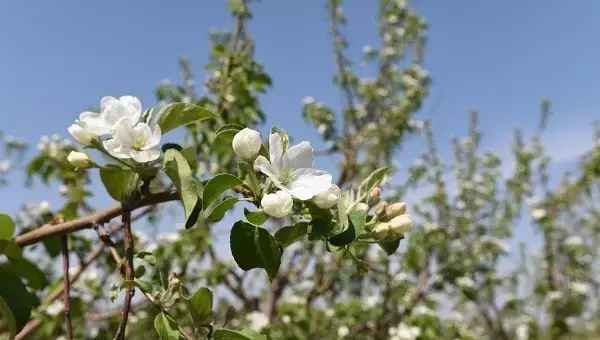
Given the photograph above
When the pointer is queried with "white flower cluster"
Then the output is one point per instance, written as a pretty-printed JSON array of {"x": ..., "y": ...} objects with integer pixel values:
[
  {"x": 120, "y": 125},
  {"x": 290, "y": 170},
  {"x": 404, "y": 332},
  {"x": 52, "y": 145}
]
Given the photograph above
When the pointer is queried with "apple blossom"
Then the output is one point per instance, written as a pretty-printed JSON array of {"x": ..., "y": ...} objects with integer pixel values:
[
  {"x": 400, "y": 224},
  {"x": 246, "y": 143},
  {"x": 278, "y": 204},
  {"x": 81, "y": 133},
  {"x": 134, "y": 140},
  {"x": 291, "y": 169},
  {"x": 79, "y": 159},
  {"x": 328, "y": 198},
  {"x": 395, "y": 209}
]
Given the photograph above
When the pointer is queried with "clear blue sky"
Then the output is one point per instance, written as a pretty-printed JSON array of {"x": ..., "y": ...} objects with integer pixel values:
[{"x": 499, "y": 57}]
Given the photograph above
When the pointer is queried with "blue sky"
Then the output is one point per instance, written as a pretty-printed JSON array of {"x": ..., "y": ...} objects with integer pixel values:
[{"x": 501, "y": 58}]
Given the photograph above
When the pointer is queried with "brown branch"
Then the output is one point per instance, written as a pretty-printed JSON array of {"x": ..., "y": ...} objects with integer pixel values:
[
  {"x": 67, "y": 286},
  {"x": 129, "y": 274},
  {"x": 50, "y": 230}
]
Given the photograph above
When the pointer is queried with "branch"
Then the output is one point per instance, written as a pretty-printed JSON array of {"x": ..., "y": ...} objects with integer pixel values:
[
  {"x": 129, "y": 274},
  {"x": 50, "y": 230},
  {"x": 67, "y": 286}
]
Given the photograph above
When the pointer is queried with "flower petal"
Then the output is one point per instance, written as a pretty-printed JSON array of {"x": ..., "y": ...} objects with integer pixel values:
[
  {"x": 124, "y": 132},
  {"x": 154, "y": 138},
  {"x": 105, "y": 102},
  {"x": 116, "y": 150},
  {"x": 94, "y": 123},
  {"x": 276, "y": 151},
  {"x": 145, "y": 155},
  {"x": 133, "y": 105},
  {"x": 308, "y": 182},
  {"x": 263, "y": 165},
  {"x": 299, "y": 156}
]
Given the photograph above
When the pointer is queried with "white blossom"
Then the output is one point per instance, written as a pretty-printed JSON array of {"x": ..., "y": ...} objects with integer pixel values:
[
  {"x": 257, "y": 321},
  {"x": 465, "y": 282},
  {"x": 54, "y": 308},
  {"x": 538, "y": 214},
  {"x": 580, "y": 288},
  {"x": 135, "y": 140},
  {"x": 343, "y": 331},
  {"x": 400, "y": 224},
  {"x": 292, "y": 170},
  {"x": 404, "y": 332},
  {"x": 328, "y": 198},
  {"x": 246, "y": 143},
  {"x": 278, "y": 204}
]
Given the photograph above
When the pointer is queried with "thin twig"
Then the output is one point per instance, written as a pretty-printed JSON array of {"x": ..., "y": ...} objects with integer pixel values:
[
  {"x": 129, "y": 274},
  {"x": 67, "y": 285}
]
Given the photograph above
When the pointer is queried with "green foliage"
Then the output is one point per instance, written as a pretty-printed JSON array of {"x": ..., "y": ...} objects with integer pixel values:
[
  {"x": 7, "y": 227},
  {"x": 166, "y": 327},
  {"x": 178, "y": 114},
  {"x": 121, "y": 184},
  {"x": 180, "y": 172},
  {"x": 253, "y": 247}
]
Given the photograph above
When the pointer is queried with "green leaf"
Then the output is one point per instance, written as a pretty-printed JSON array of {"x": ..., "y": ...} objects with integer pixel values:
[
  {"x": 33, "y": 276},
  {"x": 390, "y": 247},
  {"x": 7, "y": 227},
  {"x": 218, "y": 212},
  {"x": 178, "y": 114},
  {"x": 166, "y": 327},
  {"x": 201, "y": 304},
  {"x": 373, "y": 180},
  {"x": 358, "y": 220},
  {"x": 253, "y": 247},
  {"x": 7, "y": 318},
  {"x": 257, "y": 217},
  {"x": 345, "y": 237},
  {"x": 19, "y": 300},
  {"x": 290, "y": 234},
  {"x": 224, "y": 138},
  {"x": 218, "y": 185},
  {"x": 10, "y": 249},
  {"x": 228, "y": 334},
  {"x": 179, "y": 171},
  {"x": 120, "y": 183}
]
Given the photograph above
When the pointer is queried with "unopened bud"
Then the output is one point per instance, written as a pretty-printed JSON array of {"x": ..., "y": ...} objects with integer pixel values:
[
  {"x": 381, "y": 231},
  {"x": 328, "y": 198},
  {"x": 246, "y": 143},
  {"x": 400, "y": 224},
  {"x": 379, "y": 208},
  {"x": 278, "y": 204},
  {"x": 395, "y": 209},
  {"x": 79, "y": 160},
  {"x": 375, "y": 194}
]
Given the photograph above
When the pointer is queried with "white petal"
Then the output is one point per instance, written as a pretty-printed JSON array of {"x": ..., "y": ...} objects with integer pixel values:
[
  {"x": 263, "y": 165},
  {"x": 80, "y": 134},
  {"x": 106, "y": 102},
  {"x": 145, "y": 155},
  {"x": 278, "y": 204},
  {"x": 94, "y": 122},
  {"x": 307, "y": 183},
  {"x": 134, "y": 106},
  {"x": 154, "y": 138},
  {"x": 299, "y": 156},
  {"x": 124, "y": 133},
  {"x": 116, "y": 150},
  {"x": 276, "y": 151}
]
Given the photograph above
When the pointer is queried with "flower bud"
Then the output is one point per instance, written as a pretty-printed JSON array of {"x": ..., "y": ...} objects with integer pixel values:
[
  {"x": 381, "y": 231},
  {"x": 375, "y": 194},
  {"x": 395, "y": 209},
  {"x": 246, "y": 143},
  {"x": 400, "y": 224},
  {"x": 328, "y": 198},
  {"x": 81, "y": 134},
  {"x": 278, "y": 204},
  {"x": 379, "y": 208},
  {"x": 362, "y": 207},
  {"x": 79, "y": 160}
]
